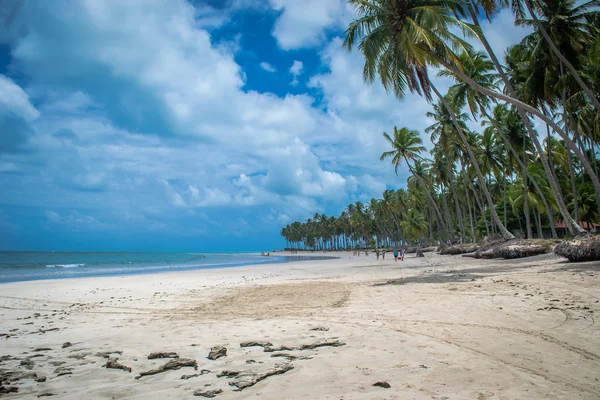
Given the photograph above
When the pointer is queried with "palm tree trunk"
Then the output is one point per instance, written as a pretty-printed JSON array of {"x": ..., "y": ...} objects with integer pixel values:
[
  {"x": 573, "y": 185},
  {"x": 447, "y": 212},
  {"x": 458, "y": 211},
  {"x": 504, "y": 196},
  {"x": 573, "y": 227},
  {"x": 526, "y": 192},
  {"x": 539, "y": 224},
  {"x": 470, "y": 215},
  {"x": 562, "y": 58},
  {"x": 435, "y": 207},
  {"x": 577, "y": 230},
  {"x": 505, "y": 233},
  {"x": 525, "y": 171},
  {"x": 481, "y": 208}
]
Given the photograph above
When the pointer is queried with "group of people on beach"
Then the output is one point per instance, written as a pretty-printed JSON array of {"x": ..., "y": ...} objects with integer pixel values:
[{"x": 398, "y": 254}]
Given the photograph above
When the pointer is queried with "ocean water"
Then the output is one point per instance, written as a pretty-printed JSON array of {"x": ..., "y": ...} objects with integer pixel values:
[{"x": 18, "y": 266}]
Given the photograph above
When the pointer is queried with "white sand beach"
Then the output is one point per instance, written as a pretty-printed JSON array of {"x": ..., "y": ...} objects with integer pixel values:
[{"x": 438, "y": 327}]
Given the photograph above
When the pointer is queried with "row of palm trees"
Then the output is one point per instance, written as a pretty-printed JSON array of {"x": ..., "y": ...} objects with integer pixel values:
[{"x": 500, "y": 178}]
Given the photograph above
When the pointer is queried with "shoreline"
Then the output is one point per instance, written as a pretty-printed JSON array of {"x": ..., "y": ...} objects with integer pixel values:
[
  {"x": 106, "y": 272},
  {"x": 432, "y": 327}
]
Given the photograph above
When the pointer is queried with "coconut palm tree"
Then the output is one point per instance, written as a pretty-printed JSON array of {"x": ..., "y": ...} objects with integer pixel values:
[
  {"x": 414, "y": 225},
  {"x": 406, "y": 147},
  {"x": 399, "y": 40}
]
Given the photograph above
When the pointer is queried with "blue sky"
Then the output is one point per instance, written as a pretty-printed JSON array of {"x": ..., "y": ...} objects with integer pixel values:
[{"x": 187, "y": 125}]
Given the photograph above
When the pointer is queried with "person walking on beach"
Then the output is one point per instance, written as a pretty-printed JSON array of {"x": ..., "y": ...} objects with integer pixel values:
[
  {"x": 377, "y": 254},
  {"x": 395, "y": 254},
  {"x": 402, "y": 254},
  {"x": 383, "y": 254}
]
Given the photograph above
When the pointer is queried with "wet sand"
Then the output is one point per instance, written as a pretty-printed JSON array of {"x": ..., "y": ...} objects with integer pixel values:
[{"x": 438, "y": 327}]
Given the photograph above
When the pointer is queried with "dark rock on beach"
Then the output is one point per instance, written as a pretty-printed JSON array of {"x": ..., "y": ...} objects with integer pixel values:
[
  {"x": 217, "y": 352},
  {"x": 176, "y": 363},
  {"x": 256, "y": 344},
  {"x": 208, "y": 393},
  {"x": 382, "y": 384},
  {"x": 163, "y": 354},
  {"x": 112, "y": 363}
]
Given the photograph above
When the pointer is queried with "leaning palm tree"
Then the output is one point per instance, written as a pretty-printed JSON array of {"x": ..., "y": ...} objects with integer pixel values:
[
  {"x": 400, "y": 39},
  {"x": 406, "y": 147},
  {"x": 414, "y": 225},
  {"x": 477, "y": 66}
]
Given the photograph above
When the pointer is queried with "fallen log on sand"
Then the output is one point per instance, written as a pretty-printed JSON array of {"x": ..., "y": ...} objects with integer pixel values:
[
  {"x": 459, "y": 249},
  {"x": 515, "y": 248},
  {"x": 585, "y": 248}
]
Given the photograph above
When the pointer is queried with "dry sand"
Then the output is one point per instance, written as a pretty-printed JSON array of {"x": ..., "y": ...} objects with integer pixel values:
[{"x": 439, "y": 327}]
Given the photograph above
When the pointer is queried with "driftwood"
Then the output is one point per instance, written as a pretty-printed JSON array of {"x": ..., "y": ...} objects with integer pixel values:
[
  {"x": 173, "y": 364},
  {"x": 334, "y": 343},
  {"x": 585, "y": 248},
  {"x": 515, "y": 248},
  {"x": 217, "y": 352},
  {"x": 208, "y": 393},
  {"x": 163, "y": 354},
  {"x": 112, "y": 363},
  {"x": 247, "y": 379},
  {"x": 256, "y": 344}
]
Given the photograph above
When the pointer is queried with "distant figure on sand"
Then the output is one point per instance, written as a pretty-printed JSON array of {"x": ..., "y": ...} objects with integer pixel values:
[
  {"x": 383, "y": 254},
  {"x": 395, "y": 254},
  {"x": 402, "y": 254},
  {"x": 377, "y": 254}
]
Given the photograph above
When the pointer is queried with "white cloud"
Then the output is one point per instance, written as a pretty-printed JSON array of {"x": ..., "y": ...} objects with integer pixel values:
[
  {"x": 304, "y": 23},
  {"x": 267, "y": 67},
  {"x": 296, "y": 70},
  {"x": 14, "y": 99}
]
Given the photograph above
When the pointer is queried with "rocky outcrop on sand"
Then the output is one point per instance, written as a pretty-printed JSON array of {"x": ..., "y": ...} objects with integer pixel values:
[
  {"x": 171, "y": 365},
  {"x": 217, "y": 352},
  {"x": 163, "y": 354},
  {"x": 244, "y": 379},
  {"x": 113, "y": 363},
  {"x": 208, "y": 393}
]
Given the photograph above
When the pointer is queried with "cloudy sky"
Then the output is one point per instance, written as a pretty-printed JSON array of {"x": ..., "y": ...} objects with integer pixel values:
[{"x": 187, "y": 125}]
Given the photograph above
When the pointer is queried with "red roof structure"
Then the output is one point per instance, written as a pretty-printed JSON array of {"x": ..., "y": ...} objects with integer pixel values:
[{"x": 584, "y": 225}]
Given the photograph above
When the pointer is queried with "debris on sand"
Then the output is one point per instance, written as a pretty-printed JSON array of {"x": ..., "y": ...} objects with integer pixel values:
[
  {"x": 113, "y": 363},
  {"x": 203, "y": 372},
  {"x": 8, "y": 389},
  {"x": 60, "y": 371},
  {"x": 217, "y": 352},
  {"x": 382, "y": 384},
  {"x": 291, "y": 357},
  {"x": 67, "y": 344},
  {"x": 106, "y": 354},
  {"x": 42, "y": 349},
  {"x": 228, "y": 374},
  {"x": 176, "y": 363},
  {"x": 312, "y": 346},
  {"x": 46, "y": 395},
  {"x": 208, "y": 393},
  {"x": 256, "y": 344},
  {"x": 27, "y": 363},
  {"x": 247, "y": 379},
  {"x": 319, "y": 328},
  {"x": 163, "y": 354}
]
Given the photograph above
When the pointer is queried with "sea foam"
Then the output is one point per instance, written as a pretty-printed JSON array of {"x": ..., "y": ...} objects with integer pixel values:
[{"x": 65, "y": 265}]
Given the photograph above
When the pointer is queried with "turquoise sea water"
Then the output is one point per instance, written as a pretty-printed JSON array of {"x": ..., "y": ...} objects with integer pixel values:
[{"x": 26, "y": 266}]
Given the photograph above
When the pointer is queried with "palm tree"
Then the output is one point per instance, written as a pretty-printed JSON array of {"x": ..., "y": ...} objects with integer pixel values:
[
  {"x": 414, "y": 225},
  {"x": 407, "y": 146},
  {"x": 478, "y": 67},
  {"x": 400, "y": 39}
]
